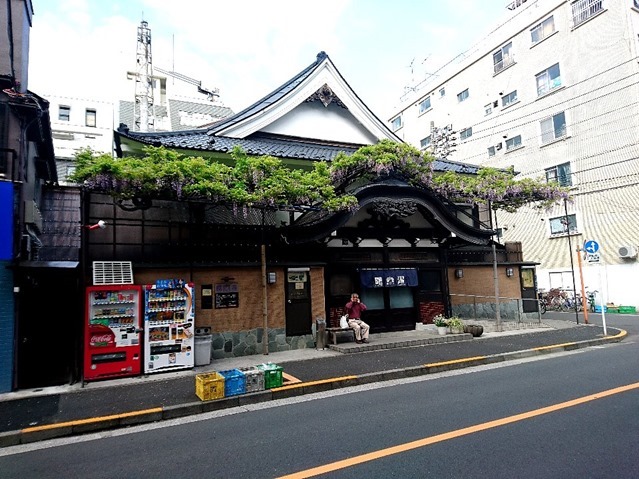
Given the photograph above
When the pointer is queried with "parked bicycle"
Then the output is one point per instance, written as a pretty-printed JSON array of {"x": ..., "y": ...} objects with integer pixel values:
[
  {"x": 591, "y": 296},
  {"x": 561, "y": 300}
]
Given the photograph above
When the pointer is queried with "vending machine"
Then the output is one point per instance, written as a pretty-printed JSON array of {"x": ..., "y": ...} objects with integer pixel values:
[
  {"x": 169, "y": 322},
  {"x": 113, "y": 331}
]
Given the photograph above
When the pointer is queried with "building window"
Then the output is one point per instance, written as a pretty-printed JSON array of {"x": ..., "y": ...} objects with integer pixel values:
[
  {"x": 424, "y": 105},
  {"x": 562, "y": 225},
  {"x": 465, "y": 134},
  {"x": 509, "y": 99},
  {"x": 462, "y": 96},
  {"x": 70, "y": 170},
  {"x": 559, "y": 174},
  {"x": 424, "y": 143},
  {"x": 90, "y": 117},
  {"x": 503, "y": 57},
  {"x": 397, "y": 123},
  {"x": 553, "y": 128},
  {"x": 442, "y": 92},
  {"x": 582, "y": 10},
  {"x": 512, "y": 143},
  {"x": 491, "y": 151},
  {"x": 548, "y": 80},
  {"x": 542, "y": 30},
  {"x": 488, "y": 109},
  {"x": 64, "y": 113}
]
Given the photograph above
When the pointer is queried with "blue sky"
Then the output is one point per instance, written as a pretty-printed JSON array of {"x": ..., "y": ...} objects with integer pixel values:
[{"x": 247, "y": 48}]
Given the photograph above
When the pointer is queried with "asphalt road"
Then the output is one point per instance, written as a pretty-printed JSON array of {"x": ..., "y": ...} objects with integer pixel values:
[{"x": 507, "y": 420}]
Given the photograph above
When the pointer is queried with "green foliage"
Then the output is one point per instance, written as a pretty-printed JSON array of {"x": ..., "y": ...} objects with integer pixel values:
[{"x": 265, "y": 182}]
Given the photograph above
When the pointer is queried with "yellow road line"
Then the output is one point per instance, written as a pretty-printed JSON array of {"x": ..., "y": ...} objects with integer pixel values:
[
  {"x": 92, "y": 420},
  {"x": 372, "y": 456},
  {"x": 454, "y": 361},
  {"x": 288, "y": 379},
  {"x": 312, "y": 383},
  {"x": 553, "y": 346}
]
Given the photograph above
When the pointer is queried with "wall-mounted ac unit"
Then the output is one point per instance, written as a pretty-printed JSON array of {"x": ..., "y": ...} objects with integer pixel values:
[{"x": 627, "y": 251}]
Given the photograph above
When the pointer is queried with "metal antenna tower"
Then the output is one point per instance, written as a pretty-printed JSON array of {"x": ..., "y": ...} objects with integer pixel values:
[{"x": 143, "y": 110}]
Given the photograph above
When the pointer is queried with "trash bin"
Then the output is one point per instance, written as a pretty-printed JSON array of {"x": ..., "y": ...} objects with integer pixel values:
[
  {"x": 203, "y": 344},
  {"x": 320, "y": 340}
]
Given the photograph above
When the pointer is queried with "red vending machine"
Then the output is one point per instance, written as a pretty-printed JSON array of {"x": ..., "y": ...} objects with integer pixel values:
[{"x": 113, "y": 331}]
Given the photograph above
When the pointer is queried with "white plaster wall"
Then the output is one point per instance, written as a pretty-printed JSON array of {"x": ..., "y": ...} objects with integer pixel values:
[{"x": 314, "y": 120}]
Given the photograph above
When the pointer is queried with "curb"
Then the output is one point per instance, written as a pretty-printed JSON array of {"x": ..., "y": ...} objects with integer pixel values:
[{"x": 81, "y": 426}]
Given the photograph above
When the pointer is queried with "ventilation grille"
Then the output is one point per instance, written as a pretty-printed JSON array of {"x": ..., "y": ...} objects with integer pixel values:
[{"x": 112, "y": 272}]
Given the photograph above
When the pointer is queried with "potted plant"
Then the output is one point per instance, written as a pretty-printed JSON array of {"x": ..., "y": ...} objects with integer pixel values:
[
  {"x": 441, "y": 323},
  {"x": 456, "y": 325}
]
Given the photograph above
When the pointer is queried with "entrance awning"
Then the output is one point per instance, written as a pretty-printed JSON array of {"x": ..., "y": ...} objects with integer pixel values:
[{"x": 388, "y": 278}]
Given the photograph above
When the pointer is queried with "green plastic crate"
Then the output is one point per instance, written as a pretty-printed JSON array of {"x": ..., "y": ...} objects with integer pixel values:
[
  {"x": 272, "y": 375},
  {"x": 627, "y": 309}
]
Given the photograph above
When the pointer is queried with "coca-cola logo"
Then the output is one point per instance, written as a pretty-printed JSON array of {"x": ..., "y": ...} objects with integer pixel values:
[
  {"x": 101, "y": 335},
  {"x": 104, "y": 338}
]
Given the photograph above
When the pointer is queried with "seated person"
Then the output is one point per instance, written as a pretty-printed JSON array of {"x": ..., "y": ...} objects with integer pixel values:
[{"x": 354, "y": 310}]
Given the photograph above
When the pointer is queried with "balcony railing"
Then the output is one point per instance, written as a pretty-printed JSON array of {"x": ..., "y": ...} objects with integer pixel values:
[{"x": 582, "y": 10}]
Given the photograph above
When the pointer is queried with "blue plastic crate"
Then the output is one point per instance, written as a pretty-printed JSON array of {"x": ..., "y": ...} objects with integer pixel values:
[{"x": 234, "y": 382}]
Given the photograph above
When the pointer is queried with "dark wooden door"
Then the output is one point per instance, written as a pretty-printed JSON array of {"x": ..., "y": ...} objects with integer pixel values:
[
  {"x": 298, "y": 302},
  {"x": 528, "y": 280}
]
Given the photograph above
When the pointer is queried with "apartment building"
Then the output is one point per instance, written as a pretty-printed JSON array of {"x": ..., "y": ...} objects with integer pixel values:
[
  {"x": 79, "y": 123},
  {"x": 552, "y": 91}
]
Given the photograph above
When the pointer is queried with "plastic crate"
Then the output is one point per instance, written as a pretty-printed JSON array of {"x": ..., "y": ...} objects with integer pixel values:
[
  {"x": 254, "y": 379},
  {"x": 209, "y": 386},
  {"x": 598, "y": 308},
  {"x": 272, "y": 375},
  {"x": 628, "y": 309},
  {"x": 234, "y": 382}
]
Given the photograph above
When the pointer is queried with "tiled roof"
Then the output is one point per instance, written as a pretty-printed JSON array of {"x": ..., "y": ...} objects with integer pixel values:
[
  {"x": 271, "y": 98},
  {"x": 260, "y": 144}
]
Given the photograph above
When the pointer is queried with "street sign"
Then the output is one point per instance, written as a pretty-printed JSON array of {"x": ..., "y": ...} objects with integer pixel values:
[
  {"x": 592, "y": 257},
  {"x": 591, "y": 246}
]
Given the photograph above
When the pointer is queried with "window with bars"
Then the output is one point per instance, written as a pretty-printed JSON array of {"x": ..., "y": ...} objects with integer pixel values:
[
  {"x": 553, "y": 128},
  {"x": 463, "y": 95},
  {"x": 488, "y": 109},
  {"x": 503, "y": 57},
  {"x": 582, "y": 10},
  {"x": 465, "y": 134},
  {"x": 542, "y": 30},
  {"x": 424, "y": 105},
  {"x": 560, "y": 174},
  {"x": 513, "y": 143},
  {"x": 548, "y": 80},
  {"x": 509, "y": 99}
]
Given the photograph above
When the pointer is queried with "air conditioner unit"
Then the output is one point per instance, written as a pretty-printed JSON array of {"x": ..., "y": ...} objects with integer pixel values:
[{"x": 627, "y": 251}]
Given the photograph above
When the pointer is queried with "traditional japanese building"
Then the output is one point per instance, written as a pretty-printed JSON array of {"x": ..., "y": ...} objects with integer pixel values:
[{"x": 409, "y": 253}]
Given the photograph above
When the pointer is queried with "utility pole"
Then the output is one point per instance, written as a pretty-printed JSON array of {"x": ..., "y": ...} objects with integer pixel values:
[{"x": 572, "y": 264}]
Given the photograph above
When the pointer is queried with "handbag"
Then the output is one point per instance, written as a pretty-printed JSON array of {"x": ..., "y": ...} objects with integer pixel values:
[{"x": 343, "y": 321}]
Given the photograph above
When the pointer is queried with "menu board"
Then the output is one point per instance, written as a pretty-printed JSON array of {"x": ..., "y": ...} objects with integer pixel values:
[{"x": 227, "y": 295}]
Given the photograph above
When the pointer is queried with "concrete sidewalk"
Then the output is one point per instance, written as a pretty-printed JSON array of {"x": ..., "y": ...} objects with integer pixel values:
[{"x": 33, "y": 415}]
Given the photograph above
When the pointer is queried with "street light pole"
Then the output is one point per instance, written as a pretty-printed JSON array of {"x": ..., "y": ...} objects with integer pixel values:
[{"x": 572, "y": 265}]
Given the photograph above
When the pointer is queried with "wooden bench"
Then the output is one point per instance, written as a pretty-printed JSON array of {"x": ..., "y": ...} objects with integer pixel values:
[{"x": 333, "y": 329}]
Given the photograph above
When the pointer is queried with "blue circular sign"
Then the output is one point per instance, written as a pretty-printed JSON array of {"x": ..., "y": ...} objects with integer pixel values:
[{"x": 591, "y": 246}]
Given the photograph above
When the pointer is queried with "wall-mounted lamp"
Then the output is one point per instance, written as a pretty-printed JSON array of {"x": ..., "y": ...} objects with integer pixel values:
[
  {"x": 344, "y": 242},
  {"x": 509, "y": 272},
  {"x": 459, "y": 273},
  {"x": 271, "y": 278},
  {"x": 99, "y": 225}
]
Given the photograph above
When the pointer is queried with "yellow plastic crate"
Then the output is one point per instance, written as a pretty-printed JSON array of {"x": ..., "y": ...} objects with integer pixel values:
[{"x": 209, "y": 386}]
